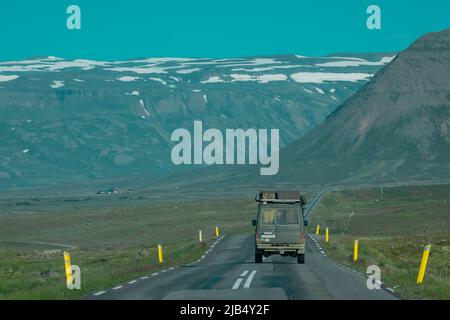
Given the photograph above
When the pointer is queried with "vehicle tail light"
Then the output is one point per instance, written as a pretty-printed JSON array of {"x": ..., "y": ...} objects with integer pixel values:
[
  {"x": 302, "y": 237},
  {"x": 257, "y": 237}
]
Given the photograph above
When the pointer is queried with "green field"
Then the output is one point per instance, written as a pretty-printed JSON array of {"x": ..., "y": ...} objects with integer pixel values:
[
  {"x": 113, "y": 239},
  {"x": 392, "y": 226}
]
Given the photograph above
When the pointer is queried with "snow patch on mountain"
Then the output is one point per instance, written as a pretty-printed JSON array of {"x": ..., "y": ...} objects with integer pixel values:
[
  {"x": 319, "y": 90},
  {"x": 355, "y": 63},
  {"x": 188, "y": 71},
  {"x": 57, "y": 84},
  {"x": 213, "y": 79},
  {"x": 320, "y": 77},
  {"x": 264, "y": 78},
  {"x": 128, "y": 79},
  {"x": 8, "y": 78},
  {"x": 158, "y": 80},
  {"x": 271, "y": 68},
  {"x": 253, "y": 62},
  {"x": 139, "y": 70},
  {"x": 134, "y": 93}
]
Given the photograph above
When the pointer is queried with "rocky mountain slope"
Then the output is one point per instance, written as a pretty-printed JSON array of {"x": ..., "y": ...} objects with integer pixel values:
[{"x": 396, "y": 128}]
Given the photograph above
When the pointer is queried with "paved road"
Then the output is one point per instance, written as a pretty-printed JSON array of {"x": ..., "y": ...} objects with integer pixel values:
[{"x": 228, "y": 272}]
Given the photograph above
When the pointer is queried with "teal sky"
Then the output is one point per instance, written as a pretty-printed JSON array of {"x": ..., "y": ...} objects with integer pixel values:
[{"x": 211, "y": 28}]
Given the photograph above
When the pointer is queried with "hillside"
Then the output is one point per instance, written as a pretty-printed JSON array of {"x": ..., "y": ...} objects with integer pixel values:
[
  {"x": 65, "y": 121},
  {"x": 395, "y": 129}
]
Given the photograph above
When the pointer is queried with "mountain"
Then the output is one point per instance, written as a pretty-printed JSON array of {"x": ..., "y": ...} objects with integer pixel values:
[
  {"x": 75, "y": 120},
  {"x": 394, "y": 129}
]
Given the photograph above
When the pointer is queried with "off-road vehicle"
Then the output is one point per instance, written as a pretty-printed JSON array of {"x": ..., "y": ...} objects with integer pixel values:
[{"x": 280, "y": 225}]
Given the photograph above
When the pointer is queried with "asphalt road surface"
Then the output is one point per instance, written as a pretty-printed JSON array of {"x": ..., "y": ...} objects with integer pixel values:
[{"x": 227, "y": 272}]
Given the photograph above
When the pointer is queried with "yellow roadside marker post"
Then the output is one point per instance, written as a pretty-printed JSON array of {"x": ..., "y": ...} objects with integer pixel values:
[
  {"x": 160, "y": 254},
  {"x": 355, "y": 251},
  {"x": 317, "y": 229},
  {"x": 200, "y": 237},
  {"x": 217, "y": 232},
  {"x": 68, "y": 266},
  {"x": 327, "y": 238},
  {"x": 423, "y": 264}
]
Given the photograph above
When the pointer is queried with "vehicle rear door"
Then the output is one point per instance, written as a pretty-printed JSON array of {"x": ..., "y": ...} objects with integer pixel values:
[{"x": 288, "y": 226}]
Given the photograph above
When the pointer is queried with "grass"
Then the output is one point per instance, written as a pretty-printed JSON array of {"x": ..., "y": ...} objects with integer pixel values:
[
  {"x": 392, "y": 226},
  {"x": 112, "y": 239},
  {"x": 34, "y": 274}
]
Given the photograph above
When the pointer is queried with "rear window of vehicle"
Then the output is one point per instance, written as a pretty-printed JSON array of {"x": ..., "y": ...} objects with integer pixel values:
[
  {"x": 269, "y": 216},
  {"x": 280, "y": 216},
  {"x": 287, "y": 216}
]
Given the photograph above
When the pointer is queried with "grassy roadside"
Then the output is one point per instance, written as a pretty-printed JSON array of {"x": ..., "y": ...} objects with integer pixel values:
[
  {"x": 36, "y": 274},
  {"x": 113, "y": 240},
  {"x": 392, "y": 226}
]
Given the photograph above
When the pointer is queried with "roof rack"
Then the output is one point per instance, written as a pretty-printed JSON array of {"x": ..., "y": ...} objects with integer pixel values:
[
  {"x": 280, "y": 200},
  {"x": 280, "y": 197}
]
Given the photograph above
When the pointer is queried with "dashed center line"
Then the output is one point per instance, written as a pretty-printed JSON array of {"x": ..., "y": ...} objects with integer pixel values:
[
  {"x": 237, "y": 283},
  {"x": 241, "y": 278},
  {"x": 249, "y": 279}
]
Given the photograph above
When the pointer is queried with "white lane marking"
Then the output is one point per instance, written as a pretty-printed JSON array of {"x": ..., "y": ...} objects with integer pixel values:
[
  {"x": 134, "y": 281},
  {"x": 99, "y": 293},
  {"x": 249, "y": 279},
  {"x": 244, "y": 273},
  {"x": 206, "y": 252},
  {"x": 237, "y": 283}
]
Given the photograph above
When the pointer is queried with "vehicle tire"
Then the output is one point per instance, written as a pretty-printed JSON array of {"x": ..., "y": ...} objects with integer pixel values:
[
  {"x": 301, "y": 258},
  {"x": 258, "y": 257}
]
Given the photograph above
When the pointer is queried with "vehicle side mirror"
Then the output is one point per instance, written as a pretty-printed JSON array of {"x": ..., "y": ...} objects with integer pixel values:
[
  {"x": 305, "y": 223},
  {"x": 254, "y": 222}
]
